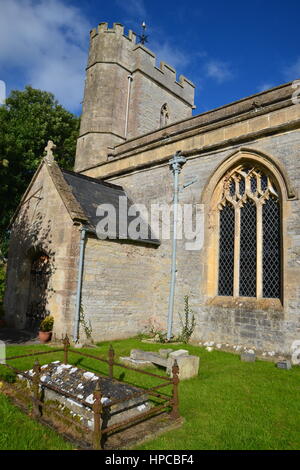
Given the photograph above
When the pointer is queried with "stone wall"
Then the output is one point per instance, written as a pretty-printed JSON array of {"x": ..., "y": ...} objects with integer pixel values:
[
  {"x": 43, "y": 225},
  {"x": 124, "y": 284},
  {"x": 147, "y": 99},
  {"x": 121, "y": 288},
  {"x": 268, "y": 326},
  {"x": 268, "y": 135},
  {"x": 268, "y": 113}
]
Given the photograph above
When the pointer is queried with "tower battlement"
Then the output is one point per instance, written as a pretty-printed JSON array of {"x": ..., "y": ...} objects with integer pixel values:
[
  {"x": 126, "y": 94},
  {"x": 117, "y": 28},
  {"x": 145, "y": 61},
  {"x": 136, "y": 57}
]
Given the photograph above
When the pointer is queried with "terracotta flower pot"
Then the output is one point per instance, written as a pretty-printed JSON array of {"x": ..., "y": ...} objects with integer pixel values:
[{"x": 45, "y": 336}]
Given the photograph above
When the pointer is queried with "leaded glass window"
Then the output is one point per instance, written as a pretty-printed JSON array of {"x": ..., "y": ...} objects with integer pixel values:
[
  {"x": 250, "y": 235},
  {"x": 226, "y": 258},
  {"x": 248, "y": 249},
  {"x": 271, "y": 248}
]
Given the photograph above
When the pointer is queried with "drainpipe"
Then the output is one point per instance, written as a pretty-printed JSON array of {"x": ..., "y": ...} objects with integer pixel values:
[
  {"x": 176, "y": 163},
  {"x": 83, "y": 231},
  {"x": 130, "y": 78}
]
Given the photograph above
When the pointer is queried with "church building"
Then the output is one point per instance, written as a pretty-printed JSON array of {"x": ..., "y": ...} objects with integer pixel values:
[{"x": 241, "y": 168}]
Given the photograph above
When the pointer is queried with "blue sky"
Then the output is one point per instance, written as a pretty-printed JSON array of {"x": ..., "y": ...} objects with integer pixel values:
[{"x": 228, "y": 49}]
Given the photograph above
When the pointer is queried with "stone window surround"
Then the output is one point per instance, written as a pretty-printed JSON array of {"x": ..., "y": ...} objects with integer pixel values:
[
  {"x": 211, "y": 197},
  {"x": 237, "y": 201}
]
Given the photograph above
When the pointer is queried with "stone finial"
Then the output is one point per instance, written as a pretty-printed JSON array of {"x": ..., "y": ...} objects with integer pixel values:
[{"x": 49, "y": 149}]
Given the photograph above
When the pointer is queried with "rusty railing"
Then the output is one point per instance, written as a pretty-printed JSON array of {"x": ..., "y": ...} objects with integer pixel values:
[{"x": 98, "y": 408}]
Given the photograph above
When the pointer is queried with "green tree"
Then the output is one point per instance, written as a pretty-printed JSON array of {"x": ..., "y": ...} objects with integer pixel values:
[{"x": 28, "y": 120}]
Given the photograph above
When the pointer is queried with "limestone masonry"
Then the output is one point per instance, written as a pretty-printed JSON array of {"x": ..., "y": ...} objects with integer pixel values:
[
  {"x": 124, "y": 94},
  {"x": 135, "y": 116}
]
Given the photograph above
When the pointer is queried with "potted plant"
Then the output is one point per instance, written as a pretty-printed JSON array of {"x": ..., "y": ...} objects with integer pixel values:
[{"x": 46, "y": 327}]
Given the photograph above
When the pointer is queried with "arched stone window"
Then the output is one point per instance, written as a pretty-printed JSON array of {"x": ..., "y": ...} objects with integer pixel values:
[
  {"x": 164, "y": 115},
  {"x": 255, "y": 191},
  {"x": 249, "y": 263}
]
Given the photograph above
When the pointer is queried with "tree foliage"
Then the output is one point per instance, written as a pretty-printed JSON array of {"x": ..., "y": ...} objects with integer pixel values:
[{"x": 28, "y": 120}]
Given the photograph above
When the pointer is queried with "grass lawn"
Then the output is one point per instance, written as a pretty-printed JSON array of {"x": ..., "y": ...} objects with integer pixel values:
[{"x": 230, "y": 405}]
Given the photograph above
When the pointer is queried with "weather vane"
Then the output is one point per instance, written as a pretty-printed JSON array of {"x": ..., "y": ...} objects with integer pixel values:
[{"x": 142, "y": 37}]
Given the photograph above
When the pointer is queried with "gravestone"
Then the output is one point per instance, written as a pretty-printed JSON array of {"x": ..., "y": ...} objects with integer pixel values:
[
  {"x": 248, "y": 357},
  {"x": 149, "y": 356},
  {"x": 81, "y": 384},
  {"x": 285, "y": 364},
  {"x": 165, "y": 352},
  {"x": 188, "y": 365},
  {"x": 179, "y": 353},
  {"x": 135, "y": 363}
]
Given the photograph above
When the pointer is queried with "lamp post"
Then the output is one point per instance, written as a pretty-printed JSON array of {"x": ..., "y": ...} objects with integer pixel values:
[{"x": 176, "y": 163}]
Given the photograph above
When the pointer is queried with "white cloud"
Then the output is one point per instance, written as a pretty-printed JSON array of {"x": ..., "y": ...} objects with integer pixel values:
[
  {"x": 218, "y": 70},
  {"x": 265, "y": 86},
  {"x": 292, "y": 72},
  {"x": 135, "y": 8},
  {"x": 173, "y": 56},
  {"x": 46, "y": 42}
]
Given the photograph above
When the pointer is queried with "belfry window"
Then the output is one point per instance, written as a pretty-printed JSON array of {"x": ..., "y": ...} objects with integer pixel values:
[{"x": 249, "y": 235}]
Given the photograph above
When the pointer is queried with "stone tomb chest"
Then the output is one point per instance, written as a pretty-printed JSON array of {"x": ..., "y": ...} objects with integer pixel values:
[{"x": 81, "y": 385}]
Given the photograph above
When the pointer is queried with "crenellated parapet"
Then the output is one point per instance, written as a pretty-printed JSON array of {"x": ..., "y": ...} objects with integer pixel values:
[
  {"x": 117, "y": 28},
  {"x": 165, "y": 74},
  {"x": 113, "y": 45}
]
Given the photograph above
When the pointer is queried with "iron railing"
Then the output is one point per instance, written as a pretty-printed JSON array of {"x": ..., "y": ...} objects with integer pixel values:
[{"x": 98, "y": 408}]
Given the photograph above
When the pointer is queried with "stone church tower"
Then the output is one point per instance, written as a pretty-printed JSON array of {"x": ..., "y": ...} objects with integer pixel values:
[{"x": 126, "y": 95}]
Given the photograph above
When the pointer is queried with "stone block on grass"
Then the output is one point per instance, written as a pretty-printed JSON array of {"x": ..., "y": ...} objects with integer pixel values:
[
  {"x": 165, "y": 352},
  {"x": 179, "y": 353},
  {"x": 248, "y": 357},
  {"x": 285, "y": 364},
  {"x": 149, "y": 356},
  {"x": 135, "y": 363},
  {"x": 188, "y": 366}
]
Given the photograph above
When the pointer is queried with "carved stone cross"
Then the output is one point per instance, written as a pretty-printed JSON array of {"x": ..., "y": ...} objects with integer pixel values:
[{"x": 49, "y": 149}]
